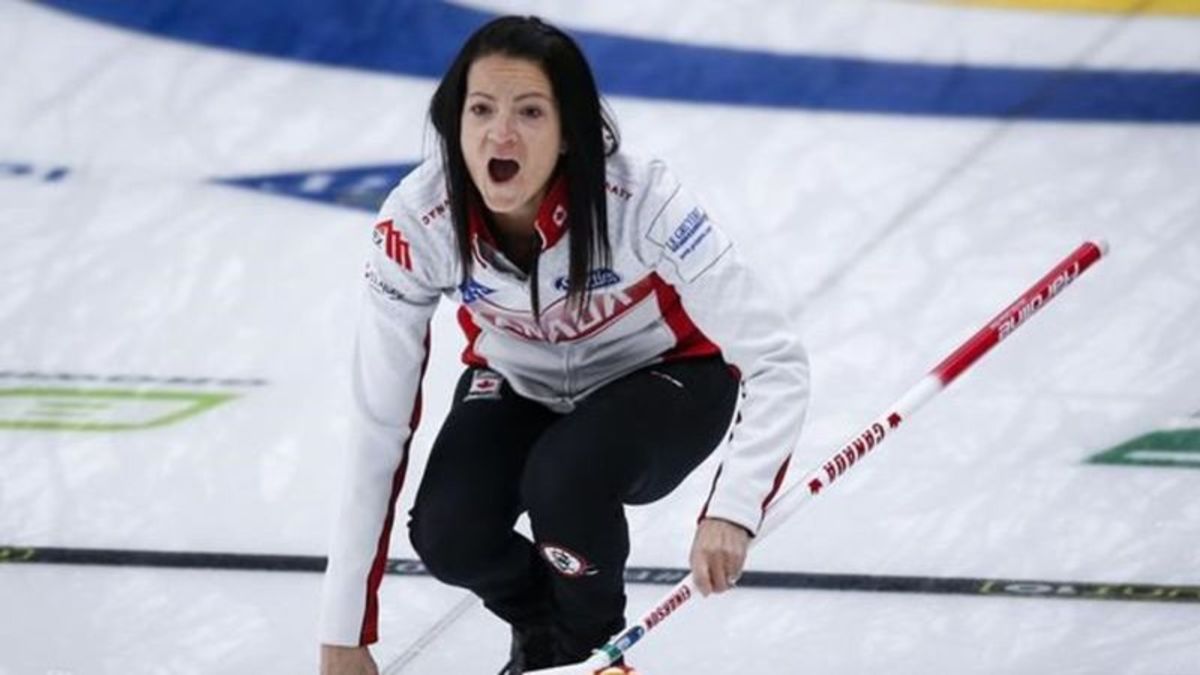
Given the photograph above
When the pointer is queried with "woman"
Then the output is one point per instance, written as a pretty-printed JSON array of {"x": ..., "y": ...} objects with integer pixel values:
[{"x": 611, "y": 334}]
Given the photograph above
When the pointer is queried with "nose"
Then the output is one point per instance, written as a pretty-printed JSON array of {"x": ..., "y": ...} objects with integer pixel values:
[{"x": 503, "y": 129}]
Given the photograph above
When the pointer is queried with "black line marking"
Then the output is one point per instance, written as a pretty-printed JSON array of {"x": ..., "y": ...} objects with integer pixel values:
[{"x": 866, "y": 583}]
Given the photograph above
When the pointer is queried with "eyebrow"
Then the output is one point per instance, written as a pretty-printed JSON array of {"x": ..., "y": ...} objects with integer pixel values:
[{"x": 529, "y": 94}]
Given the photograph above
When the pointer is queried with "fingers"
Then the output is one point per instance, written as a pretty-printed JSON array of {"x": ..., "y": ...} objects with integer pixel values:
[
  {"x": 718, "y": 574},
  {"x": 701, "y": 573},
  {"x": 718, "y": 555},
  {"x": 338, "y": 660},
  {"x": 725, "y": 569}
]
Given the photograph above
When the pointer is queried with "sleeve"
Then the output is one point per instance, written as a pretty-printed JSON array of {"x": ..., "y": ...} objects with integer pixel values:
[
  {"x": 735, "y": 310},
  {"x": 390, "y": 351}
]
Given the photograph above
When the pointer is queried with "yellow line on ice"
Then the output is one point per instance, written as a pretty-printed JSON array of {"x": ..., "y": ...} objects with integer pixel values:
[{"x": 1178, "y": 7}]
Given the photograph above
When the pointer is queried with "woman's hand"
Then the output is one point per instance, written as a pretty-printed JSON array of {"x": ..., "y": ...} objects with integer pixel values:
[
  {"x": 347, "y": 661},
  {"x": 718, "y": 554}
]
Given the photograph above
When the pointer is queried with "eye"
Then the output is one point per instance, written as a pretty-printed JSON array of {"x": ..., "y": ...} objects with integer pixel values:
[
  {"x": 479, "y": 109},
  {"x": 532, "y": 112}
]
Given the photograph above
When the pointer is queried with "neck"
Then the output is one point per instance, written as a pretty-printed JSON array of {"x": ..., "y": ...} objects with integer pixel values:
[
  {"x": 516, "y": 223},
  {"x": 518, "y": 239}
]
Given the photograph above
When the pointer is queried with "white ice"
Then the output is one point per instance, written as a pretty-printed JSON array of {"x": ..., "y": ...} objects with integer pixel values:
[{"x": 888, "y": 238}]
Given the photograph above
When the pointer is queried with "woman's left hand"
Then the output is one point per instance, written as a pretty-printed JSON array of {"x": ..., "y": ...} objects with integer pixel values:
[{"x": 718, "y": 554}]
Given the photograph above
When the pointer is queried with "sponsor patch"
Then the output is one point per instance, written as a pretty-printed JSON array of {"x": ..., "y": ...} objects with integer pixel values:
[
  {"x": 695, "y": 244},
  {"x": 472, "y": 290},
  {"x": 567, "y": 562},
  {"x": 485, "y": 385},
  {"x": 618, "y": 190},
  {"x": 600, "y": 278},
  {"x": 393, "y": 243},
  {"x": 377, "y": 284},
  {"x": 436, "y": 212},
  {"x": 693, "y": 229}
]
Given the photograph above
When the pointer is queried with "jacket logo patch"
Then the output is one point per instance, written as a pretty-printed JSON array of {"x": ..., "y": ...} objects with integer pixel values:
[
  {"x": 377, "y": 284},
  {"x": 600, "y": 278},
  {"x": 436, "y": 212},
  {"x": 567, "y": 562},
  {"x": 391, "y": 242},
  {"x": 690, "y": 233},
  {"x": 472, "y": 290},
  {"x": 618, "y": 190},
  {"x": 485, "y": 385},
  {"x": 561, "y": 322}
]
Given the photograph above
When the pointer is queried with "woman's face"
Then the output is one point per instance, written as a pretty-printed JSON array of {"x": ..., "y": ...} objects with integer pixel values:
[{"x": 511, "y": 134}]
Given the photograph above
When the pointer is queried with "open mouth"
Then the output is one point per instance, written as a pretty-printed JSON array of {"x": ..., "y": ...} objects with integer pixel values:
[{"x": 503, "y": 170}]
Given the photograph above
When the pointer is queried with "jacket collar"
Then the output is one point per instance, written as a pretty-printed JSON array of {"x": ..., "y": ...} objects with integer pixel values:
[{"x": 550, "y": 223}]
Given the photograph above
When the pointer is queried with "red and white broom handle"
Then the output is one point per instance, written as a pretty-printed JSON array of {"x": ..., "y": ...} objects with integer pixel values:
[
  {"x": 862, "y": 444},
  {"x": 936, "y": 380}
]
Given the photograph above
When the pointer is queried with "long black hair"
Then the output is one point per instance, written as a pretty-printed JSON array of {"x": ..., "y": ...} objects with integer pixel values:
[{"x": 589, "y": 134}]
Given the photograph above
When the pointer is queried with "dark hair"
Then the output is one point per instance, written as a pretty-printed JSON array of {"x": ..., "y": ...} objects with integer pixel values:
[{"x": 589, "y": 132}]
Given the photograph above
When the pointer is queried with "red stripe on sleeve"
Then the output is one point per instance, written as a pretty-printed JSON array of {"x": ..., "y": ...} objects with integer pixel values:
[
  {"x": 370, "y": 628},
  {"x": 779, "y": 476},
  {"x": 711, "y": 490}
]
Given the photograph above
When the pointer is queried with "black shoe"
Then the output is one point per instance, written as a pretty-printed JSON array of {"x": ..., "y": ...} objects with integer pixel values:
[{"x": 532, "y": 649}]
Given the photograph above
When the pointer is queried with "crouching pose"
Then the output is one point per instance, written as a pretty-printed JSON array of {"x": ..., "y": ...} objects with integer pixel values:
[{"x": 614, "y": 341}]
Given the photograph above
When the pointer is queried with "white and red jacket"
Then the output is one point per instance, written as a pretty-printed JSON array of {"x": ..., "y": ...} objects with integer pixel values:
[{"x": 675, "y": 289}]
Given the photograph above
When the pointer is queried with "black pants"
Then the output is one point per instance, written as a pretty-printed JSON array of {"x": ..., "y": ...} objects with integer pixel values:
[{"x": 498, "y": 455}]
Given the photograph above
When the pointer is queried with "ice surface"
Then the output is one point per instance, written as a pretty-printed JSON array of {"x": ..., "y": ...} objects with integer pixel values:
[{"x": 888, "y": 238}]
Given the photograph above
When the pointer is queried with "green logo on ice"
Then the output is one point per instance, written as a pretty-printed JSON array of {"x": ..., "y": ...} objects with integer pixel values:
[
  {"x": 1178, "y": 447},
  {"x": 71, "y": 409}
]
